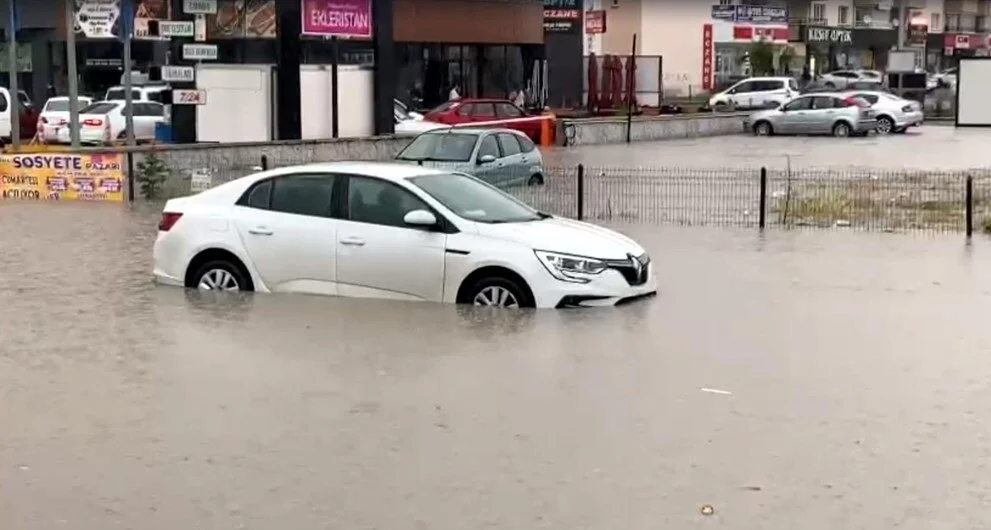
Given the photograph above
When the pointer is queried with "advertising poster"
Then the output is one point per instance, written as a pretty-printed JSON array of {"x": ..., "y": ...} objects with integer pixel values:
[
  {"x": 62, "y": 177},
  {"x": 242, "y": 19},
  {"x": 100, "y": 19},
  {"x": 338, "y": 18}
]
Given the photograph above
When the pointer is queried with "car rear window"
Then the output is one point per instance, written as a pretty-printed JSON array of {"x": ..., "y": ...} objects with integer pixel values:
[
  {"x": 99, "y": 108},
  {"x": 57, "y": 105},
  {"x": 440, "y": 147}
]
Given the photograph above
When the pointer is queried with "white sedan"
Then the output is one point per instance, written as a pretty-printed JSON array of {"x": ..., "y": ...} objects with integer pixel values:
[
  {"x": 104, "y": 122},
  {"x": 55, "y": 114},
  {"x": 894, "y": 114},
  {"x": 394, "y": 231}
]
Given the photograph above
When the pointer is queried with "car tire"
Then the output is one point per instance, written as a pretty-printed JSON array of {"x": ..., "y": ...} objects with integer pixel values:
[
  {"x": 498, "y": 291},
  {"x": 842, "y": 130},
  {"x": 222, "y": 276},
  {"x": 763, "y": 128},
  {"x": 721, "y": 106},
  {"x": 901, "y": 130},
  {"x": 535, "y": 180},
  {"x": 885, "y": 125}
]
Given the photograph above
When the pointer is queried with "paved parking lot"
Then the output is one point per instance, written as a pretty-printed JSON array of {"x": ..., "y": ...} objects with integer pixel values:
[{"x": 928, "y": 147}]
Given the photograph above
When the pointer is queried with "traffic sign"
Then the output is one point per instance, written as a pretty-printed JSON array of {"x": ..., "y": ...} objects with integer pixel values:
[
  {"x": 189, "y": 97},
  {"x": 181, "y": 28},
  {"x": 199, "y": 52},
  {"x": 178, "y": 74}
]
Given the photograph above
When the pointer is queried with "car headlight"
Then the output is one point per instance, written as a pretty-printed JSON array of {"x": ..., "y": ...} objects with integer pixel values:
[{"x": 570, "y": 268}]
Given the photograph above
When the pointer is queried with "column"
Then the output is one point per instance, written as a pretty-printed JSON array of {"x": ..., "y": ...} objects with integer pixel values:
[
  {"x": 290, "y": 54},
  {"x": 384, "y": 80},
  {"x": 183, "y": 116}
]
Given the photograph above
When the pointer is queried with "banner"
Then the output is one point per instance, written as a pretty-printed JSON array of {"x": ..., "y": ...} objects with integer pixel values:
[
  {"x": 62, "y": 177},
  {"x": 243, "y": 19},
  {"x": 101, "y": 19},
  {"x": 337, "y": 18}
]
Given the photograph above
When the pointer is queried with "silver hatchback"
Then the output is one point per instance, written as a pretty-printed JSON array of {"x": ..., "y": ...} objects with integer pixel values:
[{"x": 821, "y": 113}]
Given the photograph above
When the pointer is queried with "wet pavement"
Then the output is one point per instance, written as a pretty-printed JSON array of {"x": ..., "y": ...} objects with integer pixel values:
[
  {"x": 851, "y": 375},
  {"x": 928, "y": 147}
]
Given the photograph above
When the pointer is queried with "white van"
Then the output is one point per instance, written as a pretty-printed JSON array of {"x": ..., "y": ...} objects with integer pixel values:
[
  {"x": 6, "y": 111},
  {"x": 138, "y": 93},
  {"x": 755, "y": 93}
]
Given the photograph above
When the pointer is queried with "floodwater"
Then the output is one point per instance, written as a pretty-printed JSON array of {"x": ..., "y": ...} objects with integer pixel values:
[
  {"x": 930, "y": 147},
  {"x": 846, "y": 375}
]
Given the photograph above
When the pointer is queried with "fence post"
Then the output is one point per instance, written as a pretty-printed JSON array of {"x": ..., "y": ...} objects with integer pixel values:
[
  {"x": 264, "y": 162},
  {"x": 130, "y": 176},
  {"x": 970, "y": 206},
  {"x": 762, "y": 222},
  {"x": 581, "y": 192}
]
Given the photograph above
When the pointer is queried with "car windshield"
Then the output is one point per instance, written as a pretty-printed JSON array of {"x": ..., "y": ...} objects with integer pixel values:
[
  {"x": 444, "y": 107},
  {"x": 440, "y": 147},
  {"x": 118, "y": 93},
  {"x": 400, "y": 112},
  {"x": 474, "y": 200},
  {"x": 57, "y": 105},
  {"x": 99, "y": 108}
]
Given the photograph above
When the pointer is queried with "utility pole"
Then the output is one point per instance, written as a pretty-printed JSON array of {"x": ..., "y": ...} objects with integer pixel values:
[
  {"x": 70, "y": 57},
  {"x": 15, "y": 103},
  {"x": 902, "y": 24},
  {"x": 127, "y": 26}
]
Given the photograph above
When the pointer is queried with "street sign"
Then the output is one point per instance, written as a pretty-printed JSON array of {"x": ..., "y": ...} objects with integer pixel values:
[
  {"x": 200, "y": 28},
  {"x": 168, "y": 28},
  {"x": 189, "y": 97},
  {"x": 199, "y": 7},
  {"x": 178, "y": 74},
  {"x": 199, "y": 52}
]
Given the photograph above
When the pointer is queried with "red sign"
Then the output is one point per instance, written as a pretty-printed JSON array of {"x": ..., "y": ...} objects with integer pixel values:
[
  {"x": 595, "y": 22},
  {"x": 707, "y": 58}
]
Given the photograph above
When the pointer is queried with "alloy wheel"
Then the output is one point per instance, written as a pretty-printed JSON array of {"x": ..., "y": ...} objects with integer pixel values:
[
  {"x": 841, "y": 130},
  {"x": 763, "y": 129},
  {"x": 884, "y": 126},
  {"x": 218, "y": 280},
  {"x": 495, "y": 296}
]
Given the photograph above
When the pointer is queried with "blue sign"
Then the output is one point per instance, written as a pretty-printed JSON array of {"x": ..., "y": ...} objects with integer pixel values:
[
  {"x": 721, "y": 12},
  {"x": 761, "y": 14}
]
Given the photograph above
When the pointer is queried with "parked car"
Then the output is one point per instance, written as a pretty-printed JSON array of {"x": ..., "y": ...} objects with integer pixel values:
[
  {"x": 827, "y": 113},
  {"x": 461, "y": 111},
  {"x": 412, "y": 124},
  {"x": 894, "y": 114},
  {"x": 945, "y": 79},
  {"x": 502, "y": 157},
  {"x": 400, "y": 108},
  {"x": 28, "y": 115},
  {"x": 105, "y": 122},
  {"x": 138, "y": 93},
  {"x": 393, "y": 231},
  {"x": 55, "y": 114},
  {"x": 755, "y": 93},
  {"x": 840, "y": 79}
]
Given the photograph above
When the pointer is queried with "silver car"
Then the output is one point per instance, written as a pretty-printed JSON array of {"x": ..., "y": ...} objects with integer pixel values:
[
  {"x": 822, "y": 113},
  {"x": 501, "y": 157},
  {"x": 894, "y": 114}
]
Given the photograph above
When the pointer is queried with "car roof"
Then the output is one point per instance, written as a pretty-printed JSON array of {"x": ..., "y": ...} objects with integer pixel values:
[
  {"x": 473, "y": 130},
  {"x": 394, "y": 171},
  {"x": 821, "y": 94}
]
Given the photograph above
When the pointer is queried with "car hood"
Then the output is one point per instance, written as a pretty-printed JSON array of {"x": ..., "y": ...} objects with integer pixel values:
[
  {"x": 566, "y": 236},
  {"x": 461, "y": 167},
  {"x": 417, "y": 126}
]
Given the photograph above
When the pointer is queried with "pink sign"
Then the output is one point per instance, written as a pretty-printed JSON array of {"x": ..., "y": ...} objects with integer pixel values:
[{"x": 338, "y": 18}]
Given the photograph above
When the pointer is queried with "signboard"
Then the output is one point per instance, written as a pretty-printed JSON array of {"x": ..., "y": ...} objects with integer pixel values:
[
  {"x": 199, "y": 7},
  {"x": 563, "y": 16},
  {"x": 62, "y": 176},
  {"x": 761, "y": 14},
  {"x": 200, "y": 180},
  {"x": 595, "y": 22},
  {"x": 832, "y": 35},
  {"x": 241, "y": 19},
  {"x": 178, "y": 74},
  {"x": 100, "y": 19},
  {"x": 723, "y": 12},
  {"x": 200, "y": 52},
  {"x": 168, "y": 28},
  {"x": 338, "y": 18},
  {"x": 189, "y": 97},
  {"x": 707, "y": 57}
]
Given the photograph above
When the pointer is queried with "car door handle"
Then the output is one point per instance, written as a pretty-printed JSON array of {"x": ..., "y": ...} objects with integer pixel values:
[
  {"x": 353, "y": 241},
  {"x": 260, "y": 231}
]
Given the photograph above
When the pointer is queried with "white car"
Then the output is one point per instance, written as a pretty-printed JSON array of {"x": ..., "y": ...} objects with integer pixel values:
[
  {"x": 55, "y": 114},
  {"x": 839, "y": 79},
  {"x": 894, "y": 114},
  {"x": 394, "y": 231},
  {"x": 755, "y": 93},
  {"x": 104, "y": 122},
  {"x": 411, "y": 123}
]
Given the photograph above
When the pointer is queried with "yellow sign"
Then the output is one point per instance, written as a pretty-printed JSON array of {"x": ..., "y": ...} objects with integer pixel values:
[{"x": 62, "y": 176}]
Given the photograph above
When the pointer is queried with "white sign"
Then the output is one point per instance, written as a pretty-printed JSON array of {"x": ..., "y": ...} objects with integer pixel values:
[
  {"x": 168, "y": 28},
  {"x": 95, "y": 19},
  {"x": 199, "y": 52},
  {"x": 179, "y": 74},
  {"x": 200, "y": 180},
  {"x": 189, "y": 97},
  {"x": 200, "y": 29},
  {"x": 199, "y": 7}
]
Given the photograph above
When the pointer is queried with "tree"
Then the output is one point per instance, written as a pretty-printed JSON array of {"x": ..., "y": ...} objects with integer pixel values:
[{"x": 761, "y": 59}]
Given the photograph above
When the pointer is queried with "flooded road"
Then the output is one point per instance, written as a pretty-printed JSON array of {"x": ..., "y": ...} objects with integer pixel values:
[{"x": 852, "y": 375}]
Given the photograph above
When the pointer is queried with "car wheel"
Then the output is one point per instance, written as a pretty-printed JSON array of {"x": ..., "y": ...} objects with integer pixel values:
[
  {"x": 499, "y": 291},
  {"x": 901, "y": 130},
  {"x": 721, "y": 106},
  {"x": 763, "y": 128},
  {"x": 536, "y": 180},
  {"x": 885, "y": 125},
  {"x": 221, "y": 276},
  {"x": 841, "y": 130}
]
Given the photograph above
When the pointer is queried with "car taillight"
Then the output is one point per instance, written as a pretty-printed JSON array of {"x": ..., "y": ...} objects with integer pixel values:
[
  {"x": 93, "y": 123},
  {"x": 169, "y": 219}
]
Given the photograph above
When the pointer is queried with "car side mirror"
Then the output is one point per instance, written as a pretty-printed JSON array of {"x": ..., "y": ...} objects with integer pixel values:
[
  {"x": 732, "y": 91},
  {"x": 420, "y": 218},
  {"x": 486, "y": 159}
]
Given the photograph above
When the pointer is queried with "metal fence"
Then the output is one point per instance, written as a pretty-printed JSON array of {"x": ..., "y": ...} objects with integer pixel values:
[{"x": 863, "y": 199}]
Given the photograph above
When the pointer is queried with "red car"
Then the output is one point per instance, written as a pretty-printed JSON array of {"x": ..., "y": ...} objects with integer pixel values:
[{"x": 459, "y": 111}]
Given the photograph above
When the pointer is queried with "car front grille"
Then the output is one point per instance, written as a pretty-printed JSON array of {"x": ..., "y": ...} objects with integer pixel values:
[{"x": 634, "y": 272}]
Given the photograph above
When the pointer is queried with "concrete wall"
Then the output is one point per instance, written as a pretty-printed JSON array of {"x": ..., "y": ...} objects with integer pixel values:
[{"x": 645, "y": 129}]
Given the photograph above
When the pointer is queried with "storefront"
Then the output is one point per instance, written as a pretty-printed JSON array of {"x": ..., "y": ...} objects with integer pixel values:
[
  {"x": 943, "y": 51},
  {"x": 441, "y": 45},
  {"x": 735, "y": 30}
]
